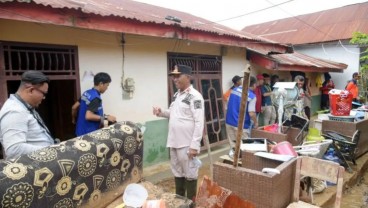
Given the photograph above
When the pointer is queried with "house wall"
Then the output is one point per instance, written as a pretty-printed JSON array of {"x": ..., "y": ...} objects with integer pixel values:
[
  {"x": 145, "y": 60},
  {"x": 234, "y": 63},
  {"x": 333, "y": 51}
]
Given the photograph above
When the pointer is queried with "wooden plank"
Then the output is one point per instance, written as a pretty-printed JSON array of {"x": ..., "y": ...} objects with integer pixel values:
[
  {"x": 321, "y": 169},
  {"x": 243, "y": 107}
]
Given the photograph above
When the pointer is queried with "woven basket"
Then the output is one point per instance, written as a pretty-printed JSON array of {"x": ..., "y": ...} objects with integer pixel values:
[
  {"x": 262, "y": 189},
  {"x": 348, "y": 129}
]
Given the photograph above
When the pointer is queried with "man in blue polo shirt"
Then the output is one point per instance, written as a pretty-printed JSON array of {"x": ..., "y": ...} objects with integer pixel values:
[
  {"x": 91, "y": 115},
  {"x": 268, "y": 110},
  {"x": 232, "y": 115}
]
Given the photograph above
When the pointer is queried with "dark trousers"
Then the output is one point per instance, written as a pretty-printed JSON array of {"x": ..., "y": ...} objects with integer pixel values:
[
  {"x": 307, "y": 111},
  {"x": 325, "y": 101}
]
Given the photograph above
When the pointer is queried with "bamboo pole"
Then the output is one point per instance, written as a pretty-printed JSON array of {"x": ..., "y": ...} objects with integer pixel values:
[
  {"x": 243, "y": 107},
  {"x": 207, "y": 143}
]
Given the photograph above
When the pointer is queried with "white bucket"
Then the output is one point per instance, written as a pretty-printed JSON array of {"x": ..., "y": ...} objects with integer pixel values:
[{"x": 135, "y": 195}]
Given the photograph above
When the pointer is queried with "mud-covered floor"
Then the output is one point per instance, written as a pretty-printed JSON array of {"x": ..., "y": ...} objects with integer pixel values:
[{"x": 353, "y": 197}]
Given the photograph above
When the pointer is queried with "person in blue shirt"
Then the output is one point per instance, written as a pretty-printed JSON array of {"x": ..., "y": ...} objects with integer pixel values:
[
  {"x": 268, "y": 110},
  {"x": 232, "y": 115},
  {"x": 91, "y": 116}
]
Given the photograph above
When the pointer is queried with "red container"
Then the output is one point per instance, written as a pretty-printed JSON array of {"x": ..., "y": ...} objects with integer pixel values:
[
  {"x": 284, "y": 148},
  {"x": 271, "y": 128},
  {"x": 340, "y": 102}
]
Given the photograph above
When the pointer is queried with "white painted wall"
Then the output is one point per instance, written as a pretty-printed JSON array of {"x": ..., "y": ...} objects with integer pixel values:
[
  {"x": 349, "y": 54},
  {"x": 233, "y": 63},
  {"x": 145, "y": 61}
]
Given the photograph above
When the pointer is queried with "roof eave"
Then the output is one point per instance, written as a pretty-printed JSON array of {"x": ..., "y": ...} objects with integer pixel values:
[
  {"x": 76, "y": 18},
  {"x": 272, "y": 63}
]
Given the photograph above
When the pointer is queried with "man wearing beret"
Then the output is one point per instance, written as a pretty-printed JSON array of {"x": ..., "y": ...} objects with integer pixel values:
[
  {"x": 22, "y": 130},
  {"x": 186, "y": 121}
]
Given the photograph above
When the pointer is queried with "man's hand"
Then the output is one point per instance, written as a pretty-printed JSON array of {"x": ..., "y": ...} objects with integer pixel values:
[
  {"x": 192, "y": 153},
  {"x": 156, "y": 111},
  {"x": 111, "y": 119}
]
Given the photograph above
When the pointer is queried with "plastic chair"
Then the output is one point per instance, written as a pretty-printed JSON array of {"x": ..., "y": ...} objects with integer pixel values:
[{"x": 321, "y": 169}]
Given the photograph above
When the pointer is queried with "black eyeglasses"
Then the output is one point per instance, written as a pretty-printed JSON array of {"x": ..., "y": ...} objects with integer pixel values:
[{"x": 43, "y": 93}]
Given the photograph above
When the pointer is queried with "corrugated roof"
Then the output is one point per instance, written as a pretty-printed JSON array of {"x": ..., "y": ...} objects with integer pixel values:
[
  {"x": 143, "y": 12},
  {"x": 305, "y": 60},
  {"x": 323, "y": 26},
  {"x": 146, "y": 13},
  {"x": 294, "y": 62}
]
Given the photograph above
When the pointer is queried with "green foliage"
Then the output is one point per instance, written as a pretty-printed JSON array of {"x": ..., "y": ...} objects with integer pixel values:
[
  {"x": 361, "y": 39},
  {"x": 364, "y": 67}
]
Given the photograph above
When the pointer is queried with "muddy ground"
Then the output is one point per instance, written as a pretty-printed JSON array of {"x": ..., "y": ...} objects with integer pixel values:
[{"x": 353, "y": 197}]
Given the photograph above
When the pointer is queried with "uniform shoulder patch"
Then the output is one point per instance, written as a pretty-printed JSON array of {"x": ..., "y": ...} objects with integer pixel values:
[{"x": 197, "y": 104}]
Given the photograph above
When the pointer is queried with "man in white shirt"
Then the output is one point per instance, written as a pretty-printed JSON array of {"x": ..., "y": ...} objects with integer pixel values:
[
  {"x": 186, "y": 121},
  {"x": 21, "y": 128}
]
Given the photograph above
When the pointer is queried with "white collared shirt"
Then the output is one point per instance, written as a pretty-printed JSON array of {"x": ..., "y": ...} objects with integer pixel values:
[{"x": 186, "y": 119}]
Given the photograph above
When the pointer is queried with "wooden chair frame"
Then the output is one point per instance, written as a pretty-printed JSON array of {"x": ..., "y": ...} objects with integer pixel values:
[{"x": 320, "y": 169}]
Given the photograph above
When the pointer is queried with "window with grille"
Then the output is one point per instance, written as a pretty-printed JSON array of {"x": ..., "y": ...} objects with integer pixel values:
[
  {"x": 50, "y": 59},
  {"x": 59, "y": 63}
]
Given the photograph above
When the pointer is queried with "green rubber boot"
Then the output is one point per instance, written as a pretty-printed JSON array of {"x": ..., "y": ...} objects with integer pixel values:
[
  {"x": 180, "y": 186},
  {"x": 191, "y": 186}
]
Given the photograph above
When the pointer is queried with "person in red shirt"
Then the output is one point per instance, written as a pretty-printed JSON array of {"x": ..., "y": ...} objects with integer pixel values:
[
  {"x": 327, "y": 85},
  {"x": 258, "y": 92}
]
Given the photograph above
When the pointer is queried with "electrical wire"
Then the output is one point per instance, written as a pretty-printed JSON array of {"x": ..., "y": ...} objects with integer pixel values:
[
  {"x": 324, "y": 50},
  {"x": 347, "y": 50},
  {"x": 242, "y": 15}
]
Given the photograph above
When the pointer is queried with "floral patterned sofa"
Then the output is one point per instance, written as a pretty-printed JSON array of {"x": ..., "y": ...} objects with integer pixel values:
[{"x": 87, "y": 171}]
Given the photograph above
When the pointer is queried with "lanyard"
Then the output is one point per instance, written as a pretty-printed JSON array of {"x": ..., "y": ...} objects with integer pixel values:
[
  {"x": 35, "y": 115},
  {"x": 268, "y": 88}
]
